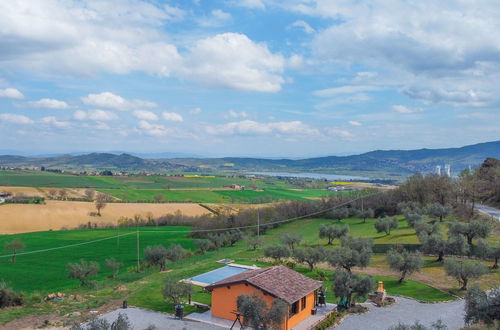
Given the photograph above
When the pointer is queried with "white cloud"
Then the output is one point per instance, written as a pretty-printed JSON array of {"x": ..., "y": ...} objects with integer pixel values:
[
  {"x": 195, "y": 111},
  {"x": 146, "y": 115},
  {"x": 232, "y": 60},
  {"x": 96, "y": 115},
  {"x": 16, "y": 119},
  {"x": 346, "y": 90},
  {"x": 404, "y": 109},
  {"x": 354, "y": 123},
  {"x": 49, "y": 104},
  {"x": 172, "y": 116},
  {"x": 152, "y": 129},
  {"x": 113, "y": 101},
  {"x": 217, "y": 18},
  {"x": 51, "y": 120},
  {"x": 453, "y": 97},
  {"x": 11, "y": 93},
  {"x": 174, "y": 14},
  {"x": 303, "y": 25},
  {"x": 235, "y": 114},
  {"x": 250, "y": 127},
  {"x": 339, "y": 132}
]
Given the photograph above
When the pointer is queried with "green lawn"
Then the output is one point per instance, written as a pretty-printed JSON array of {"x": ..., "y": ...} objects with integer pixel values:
[{"x": 46, "y": 271}]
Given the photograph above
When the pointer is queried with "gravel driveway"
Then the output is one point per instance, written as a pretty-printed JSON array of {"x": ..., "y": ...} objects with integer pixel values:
[
  {"x": 407, "y": 311},
  {"x": 142, "y": 318}
]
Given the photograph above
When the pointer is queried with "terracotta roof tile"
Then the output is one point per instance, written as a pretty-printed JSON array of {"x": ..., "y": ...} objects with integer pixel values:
[{"x": 279, "y": 281}]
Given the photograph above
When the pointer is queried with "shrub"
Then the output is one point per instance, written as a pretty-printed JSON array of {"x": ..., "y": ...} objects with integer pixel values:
[{"x": 9, "y": 297}]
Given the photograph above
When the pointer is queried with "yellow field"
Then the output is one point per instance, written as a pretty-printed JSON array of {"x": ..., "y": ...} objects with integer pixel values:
[{"x": 21, "y": 218}]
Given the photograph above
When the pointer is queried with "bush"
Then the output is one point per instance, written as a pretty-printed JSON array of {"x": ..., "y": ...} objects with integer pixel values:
[
  {"x": 330, "y": 320},
  {"x": 9, "y": 297}
]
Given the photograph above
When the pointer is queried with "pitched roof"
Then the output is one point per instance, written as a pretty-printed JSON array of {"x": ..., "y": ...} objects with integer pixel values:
[{"x": 279, "y": 281}]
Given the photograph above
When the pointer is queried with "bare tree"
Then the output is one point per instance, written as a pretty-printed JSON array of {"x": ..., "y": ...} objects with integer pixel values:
[
  {"x": 63, "y": 194},
  {"x": 114, "y": 265},
  {"x": 158, "y": 198},
  {"x": 52, "y": 193},
  {"x": 14, "y": 246},
  {"x": 100, "y": 202},
  {"x": 82, "y": 271},
  {"x": 89, "y": 193}
]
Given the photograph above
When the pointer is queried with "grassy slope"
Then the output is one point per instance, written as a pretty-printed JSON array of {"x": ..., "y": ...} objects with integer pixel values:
[{"x": 46, "y": 272}]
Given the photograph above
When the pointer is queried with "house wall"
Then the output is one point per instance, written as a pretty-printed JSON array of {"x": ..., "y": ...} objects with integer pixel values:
[
  {"x": 303, "y": 313},
  {"x": 224, "y": 302}
]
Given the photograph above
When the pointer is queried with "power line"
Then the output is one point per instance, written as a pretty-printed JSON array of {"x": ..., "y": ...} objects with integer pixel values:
[
  {"x": 64, "y": 246},
  {"x": 190, "y": 231}
]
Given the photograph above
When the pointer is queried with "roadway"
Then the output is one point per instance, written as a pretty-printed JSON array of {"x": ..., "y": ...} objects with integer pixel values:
[{"x": 488, "y": 210}]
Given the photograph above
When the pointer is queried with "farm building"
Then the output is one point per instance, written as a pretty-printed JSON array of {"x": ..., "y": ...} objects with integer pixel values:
[{"x": 295, "y": 289}]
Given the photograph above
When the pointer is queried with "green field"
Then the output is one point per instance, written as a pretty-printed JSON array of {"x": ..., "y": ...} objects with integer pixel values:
[
  {"x": 46, "y": 271},
  {"x": 217, "y": 196},
  {"x": 48, "y": 179}
]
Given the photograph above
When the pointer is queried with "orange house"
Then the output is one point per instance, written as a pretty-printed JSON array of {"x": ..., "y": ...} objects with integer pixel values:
[{"x": 295, "y": 289}]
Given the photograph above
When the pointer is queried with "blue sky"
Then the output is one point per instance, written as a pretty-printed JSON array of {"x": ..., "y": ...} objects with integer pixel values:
[{"x": 294, "y": 78}]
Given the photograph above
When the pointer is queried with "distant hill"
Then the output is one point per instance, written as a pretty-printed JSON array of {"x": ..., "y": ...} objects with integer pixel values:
[{"x": 377, "y": 163}]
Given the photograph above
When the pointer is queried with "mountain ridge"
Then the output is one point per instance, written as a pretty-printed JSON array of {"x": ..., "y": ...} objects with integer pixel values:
[{"x": 401, "y": 162}]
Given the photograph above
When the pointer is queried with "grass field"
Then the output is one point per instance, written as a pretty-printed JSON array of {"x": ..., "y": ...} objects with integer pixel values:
[
  {"x": 46, "y": 272},
  {"x": 21, "y": 218},
  {"x": 218, "y": 196},
  {"x": 48, "y": 179}
]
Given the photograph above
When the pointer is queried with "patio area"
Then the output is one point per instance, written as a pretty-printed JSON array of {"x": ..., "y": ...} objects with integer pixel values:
[{"x": 207, "y": 318}]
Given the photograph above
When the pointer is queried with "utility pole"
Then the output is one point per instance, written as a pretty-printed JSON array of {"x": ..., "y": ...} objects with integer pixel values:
[
  {"x": 137, "y": 239},
  {"x": 258, "y": 223}
]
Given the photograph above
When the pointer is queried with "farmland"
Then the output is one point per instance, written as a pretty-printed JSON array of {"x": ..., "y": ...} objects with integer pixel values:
[{"x": 54, "y": 215}]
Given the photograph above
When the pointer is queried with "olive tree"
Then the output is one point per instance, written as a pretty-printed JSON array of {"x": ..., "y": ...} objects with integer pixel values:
[
  {"x": 332, "y": 232},
  {"x": 486, "y": 251},
  {"x": 404, "y": 262},
  {"x": 464, "y": 270},
  {"x": 385, "y": 224},
  {"x": 277, "y": 252},
  {"x": 482, "y": 306},
  {"x": 471, "y": 230},
  {"x": 114, "y": 265},
  {"x": 291, "y": 240},
  {"x": 203, "y": 245},
  {"x": 353, "y": 252},
  {"x": 427, "y": 228},
  {"x": 82, "y": 271},
  {"x": 175, "y": 290},
  {"x": 254, "y": 242},
  {"x": 258, "y": 315},
  {"x": 339, "y": 214},
  {"x": 349, "y": 286},
  {"x": 438, "y": 210},
  {"x": 15, "y": 246},
  {"x": 364, "y": 214},
  {"x": 413, "y": 219},
  {"x": 310, "y": 256},
  {"x": 435, "y": 244}
]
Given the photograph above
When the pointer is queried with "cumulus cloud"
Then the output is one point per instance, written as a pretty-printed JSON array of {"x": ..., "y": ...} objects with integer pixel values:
[
  {"x": 304, "y": 26},
  {"x": 172, "y": 116},
  {"x": 404, "y": 109},
  {"x": 354, "y": 123},
  {"x": 11, "y": 93},
  {"x": 49, "y": 104},
  {"x": 51, "y": 120},
  {"x": 250, "y": 127},
  {"x": 113, "y": 101},
  {"x": 15, "y": 119},
  {"x": 96, "y": 115},
  {"x": 90, "y": 37},
  {"x": 152, "y": 129},
  {"x": 146, "y": 115},
  {"x": 232, "y": 60}
]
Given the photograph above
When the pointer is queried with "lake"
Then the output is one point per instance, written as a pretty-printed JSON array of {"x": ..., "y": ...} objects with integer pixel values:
[{"x": 318, "y": 176}]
